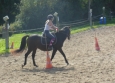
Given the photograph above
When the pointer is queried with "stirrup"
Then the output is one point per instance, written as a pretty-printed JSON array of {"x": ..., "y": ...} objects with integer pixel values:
[{"x": 50, "y": 48}]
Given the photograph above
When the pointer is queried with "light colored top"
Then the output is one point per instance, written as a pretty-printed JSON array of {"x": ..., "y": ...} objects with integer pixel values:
[{"x": 47, "y": 27}]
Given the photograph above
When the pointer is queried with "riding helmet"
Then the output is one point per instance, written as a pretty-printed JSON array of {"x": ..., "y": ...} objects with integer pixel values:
[{"x": 50, "y": 16}]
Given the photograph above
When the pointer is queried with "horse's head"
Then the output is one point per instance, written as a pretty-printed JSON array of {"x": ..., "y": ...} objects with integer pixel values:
[{"x": 67, "y": 31}]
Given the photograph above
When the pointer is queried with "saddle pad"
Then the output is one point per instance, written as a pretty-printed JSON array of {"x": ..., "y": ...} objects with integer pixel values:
[{"x": 45, "y": 41}]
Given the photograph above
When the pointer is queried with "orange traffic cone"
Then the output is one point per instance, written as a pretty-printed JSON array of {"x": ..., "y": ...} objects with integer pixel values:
[
  {"x": 48, "y": 64},
  {"x": 12, "y": 45},
  {"x": 96, "y": 44}
]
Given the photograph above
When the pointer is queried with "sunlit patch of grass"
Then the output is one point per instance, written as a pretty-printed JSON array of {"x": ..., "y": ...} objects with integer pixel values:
[
  {"x": 87, "y": 27},
  {"x": 16, "y": 39},
  {"x": 79, "y": 30}
]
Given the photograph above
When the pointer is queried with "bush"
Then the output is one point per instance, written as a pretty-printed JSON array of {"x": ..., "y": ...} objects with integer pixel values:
[{"x": 15, "y": 26}]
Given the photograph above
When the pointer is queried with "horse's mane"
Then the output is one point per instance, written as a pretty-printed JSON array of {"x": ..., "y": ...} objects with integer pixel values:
[{"x": 61, "y": 30}]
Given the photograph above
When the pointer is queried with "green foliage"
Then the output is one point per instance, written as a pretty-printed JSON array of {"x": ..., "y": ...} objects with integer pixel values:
[
  {"x": 10, "y": 8},
  {"x": 33, "y": 13},
  {"x": 17, "y": 25},
  {"x": 13, "y": 26}
]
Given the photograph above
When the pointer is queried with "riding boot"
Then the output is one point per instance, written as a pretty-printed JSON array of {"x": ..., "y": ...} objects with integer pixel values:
[{"x": 50, "y": 46}]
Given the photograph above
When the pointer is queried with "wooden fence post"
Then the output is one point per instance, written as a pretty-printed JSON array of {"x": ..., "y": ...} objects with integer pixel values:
[
  {"x": 91, "y": 18},
  {"x": 6, "y": 31}
]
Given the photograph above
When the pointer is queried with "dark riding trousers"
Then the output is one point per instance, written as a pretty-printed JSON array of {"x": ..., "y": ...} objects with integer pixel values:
[{"x": 48, "y": 34}]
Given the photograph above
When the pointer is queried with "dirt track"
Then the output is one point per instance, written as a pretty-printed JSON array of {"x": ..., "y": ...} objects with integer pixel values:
[{"x": 86, "y": 64}]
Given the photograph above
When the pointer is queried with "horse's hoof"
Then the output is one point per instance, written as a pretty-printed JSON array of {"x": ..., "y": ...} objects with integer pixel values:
[
  {"x": 35, "y": 65},
  {"x": 22, "y": 66}
]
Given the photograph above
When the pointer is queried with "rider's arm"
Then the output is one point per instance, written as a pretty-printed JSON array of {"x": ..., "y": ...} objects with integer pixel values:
[{"x": 52, "y": 26}]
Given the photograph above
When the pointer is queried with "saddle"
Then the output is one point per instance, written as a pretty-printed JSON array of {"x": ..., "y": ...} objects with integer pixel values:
[{"x": 46, "y": 41}]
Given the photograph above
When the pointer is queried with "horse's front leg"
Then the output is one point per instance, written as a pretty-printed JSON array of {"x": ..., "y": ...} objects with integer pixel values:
[
  {"x": 61, "y": 51},
  {"x": 33, "y": 57},
  {"x": 53, "y": 53}
]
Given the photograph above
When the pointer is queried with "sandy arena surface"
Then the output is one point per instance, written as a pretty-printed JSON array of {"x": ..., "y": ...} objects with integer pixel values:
[{"x": 86, "y": 64}]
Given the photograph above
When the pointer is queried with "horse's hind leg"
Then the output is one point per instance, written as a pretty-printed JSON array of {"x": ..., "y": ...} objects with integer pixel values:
[
  {"x": 26, "y": 55},
  {"x": 33, "y": 57},
  {"x": 61, "y": 51}
]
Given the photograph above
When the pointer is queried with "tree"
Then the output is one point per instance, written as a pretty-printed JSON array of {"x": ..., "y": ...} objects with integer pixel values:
[
  {"x": 10, "y": 8},
  {"x": 33, "y": 13}
]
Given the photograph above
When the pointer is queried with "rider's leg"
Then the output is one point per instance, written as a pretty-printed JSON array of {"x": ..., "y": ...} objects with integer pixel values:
[
  {"x": 49, "y": 35},
  {"x": 51, "y": 42}
]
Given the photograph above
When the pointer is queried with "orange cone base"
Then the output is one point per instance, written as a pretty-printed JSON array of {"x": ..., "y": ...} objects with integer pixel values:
[
  {"x": 48, "y": 64},
  {"x": 12, "y": 46},
  {"x": 97, "y": 48}
]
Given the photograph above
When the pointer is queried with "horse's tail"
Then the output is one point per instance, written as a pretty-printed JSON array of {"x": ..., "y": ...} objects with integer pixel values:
[{"x": 22, "y": 45}]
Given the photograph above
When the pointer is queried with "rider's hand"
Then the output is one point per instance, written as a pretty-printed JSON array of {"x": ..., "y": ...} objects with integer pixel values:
[{"x": 57, "y": 29}]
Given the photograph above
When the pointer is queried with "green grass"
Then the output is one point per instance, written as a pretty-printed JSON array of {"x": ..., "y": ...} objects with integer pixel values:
[
  {"x": 16, "y": 38},
  {"x": 80, "y": 29},
  {"x": 76, "y": 30}
]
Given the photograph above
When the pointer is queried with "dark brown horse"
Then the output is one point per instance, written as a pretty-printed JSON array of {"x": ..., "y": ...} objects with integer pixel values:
[{"x": 40, "y": 42}]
